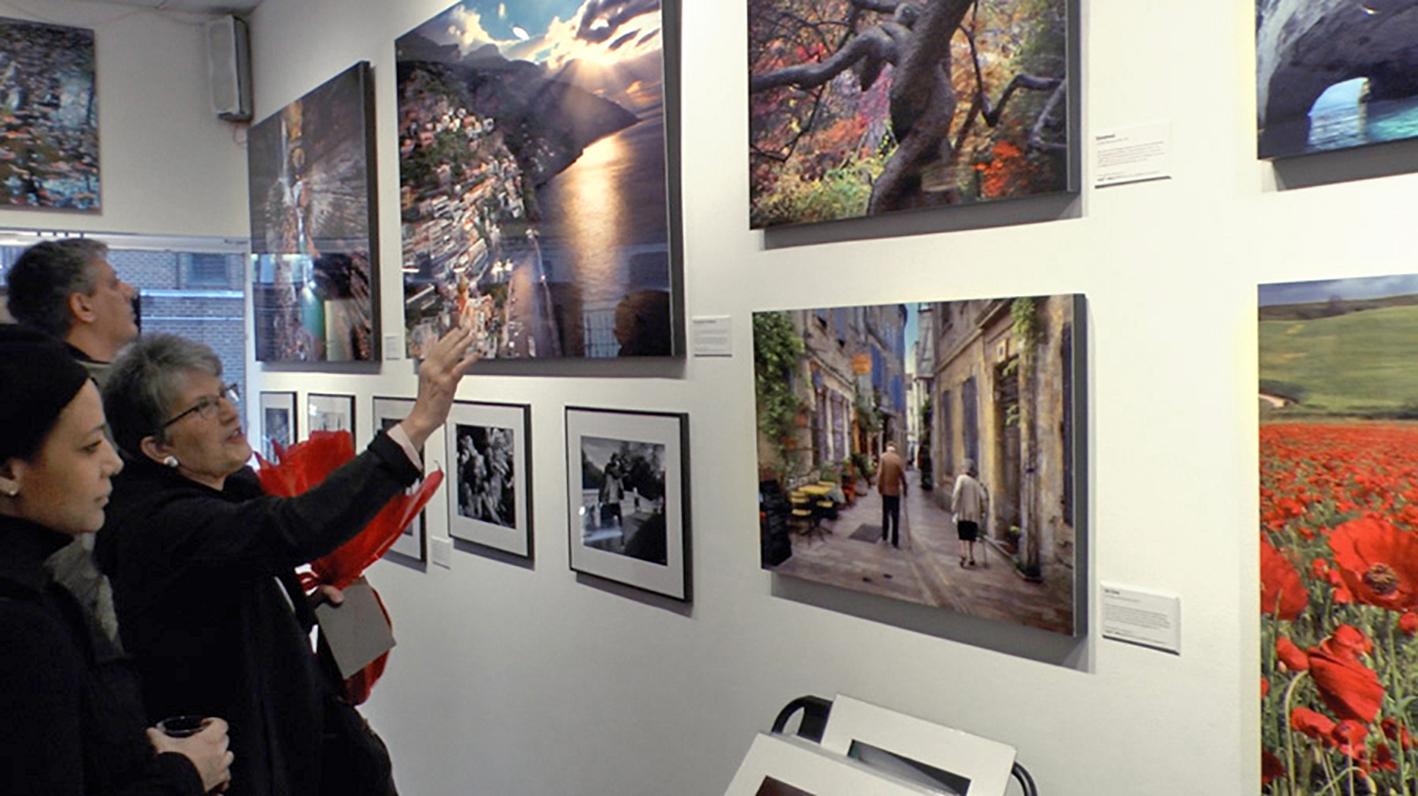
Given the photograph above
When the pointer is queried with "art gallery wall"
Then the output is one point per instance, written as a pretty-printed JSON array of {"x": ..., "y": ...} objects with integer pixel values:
[
  {"x": 524, "y": 680},
  {"x": 168, "y": 166}
]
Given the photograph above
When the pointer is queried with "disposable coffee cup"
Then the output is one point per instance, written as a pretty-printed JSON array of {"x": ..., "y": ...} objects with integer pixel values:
[{"x": 182, "y": 726}]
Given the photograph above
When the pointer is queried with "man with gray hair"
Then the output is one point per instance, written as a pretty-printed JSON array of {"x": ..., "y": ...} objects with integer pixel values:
[{"x": 68, "y": 289}]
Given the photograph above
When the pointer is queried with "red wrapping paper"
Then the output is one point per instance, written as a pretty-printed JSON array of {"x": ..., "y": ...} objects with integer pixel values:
[{"x": 304, "y": 465}]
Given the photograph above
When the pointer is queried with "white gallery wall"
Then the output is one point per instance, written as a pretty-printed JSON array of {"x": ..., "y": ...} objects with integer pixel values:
[
  {"x": 168, "y": 165},
  {"x": 515, "y": 680}
]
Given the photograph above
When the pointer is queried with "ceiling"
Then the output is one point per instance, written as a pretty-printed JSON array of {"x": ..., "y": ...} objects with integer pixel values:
[{"x": 200, "y": 6}]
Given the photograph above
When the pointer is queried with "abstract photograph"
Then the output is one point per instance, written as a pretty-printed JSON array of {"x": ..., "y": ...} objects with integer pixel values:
[
  {"x": 48, "y": 117},
  {"x": 413, "y": 542},
  {"x": 627, "y": 493},
  {"x": 1338, "y": 397},
  {"x": 533, "y": 178},
  {"x": 329, "y": 413},
  {"x": 926, "y": 452},
  {"x": 489, "y": 486},
  {"x": 277, "y": 422},
  {"x": 312, "y": 226},
  {"x": 1335, "y": 75},
  {"x": 865, "y": 108}
]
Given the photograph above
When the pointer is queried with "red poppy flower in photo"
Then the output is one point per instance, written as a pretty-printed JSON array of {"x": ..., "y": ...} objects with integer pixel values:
[
  {"x": 1312, "y": 723},
  {"x": 1282, "y": 594},
  {"x": 1408, "y": 623},
  {"x": 1348, "y": 687},
  {"x": 1397, "y": 733},
  {"x": 1377, "y": 562},
  {"x": 1349, "y": 736},
  {"x": 1264, "y": 688},
  {"x": 1270, "y": 767},
  {"x": 1348, "y": 640},
  {"x": 1383, "y": 759},
  {"x": 1291, "y": 656}
]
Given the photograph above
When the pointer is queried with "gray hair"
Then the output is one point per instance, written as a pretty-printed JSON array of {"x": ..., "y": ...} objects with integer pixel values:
[
  {"x": 969, "y": 466},
  {"x": 46, "y": 275},
  {"x": 145, "y": 383}
]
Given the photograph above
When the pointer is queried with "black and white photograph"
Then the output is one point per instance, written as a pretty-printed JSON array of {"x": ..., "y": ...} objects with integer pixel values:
[
  {"x": 489, "y": 480},
  {"x": 627, "y": 497},
  {"x": 277, "y": 422},
  {"x": 780, "y": 765},
  {"x": 329, "y": 413},
  {"x": 623, "y": 497},
  {"x": 413, "y": 541},
  {"x": 943, "y": 759}
]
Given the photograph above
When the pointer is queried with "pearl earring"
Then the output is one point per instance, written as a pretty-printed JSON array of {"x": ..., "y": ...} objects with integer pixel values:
[
  {"x": 12, "y": 491},
  {"x": 170, "y": 461}
]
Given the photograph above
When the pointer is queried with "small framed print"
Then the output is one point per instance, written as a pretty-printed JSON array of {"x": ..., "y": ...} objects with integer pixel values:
[
  {"x": 278, "y": 422},
  {"x": 939, "y": 758},
  {"x": 781, "y": 766},
  {"x": 324, "y": 412},
  {"x": 490, "y": 486},
  {"x": 627, "y": 491},
  {"x": 413, "y": 542}
]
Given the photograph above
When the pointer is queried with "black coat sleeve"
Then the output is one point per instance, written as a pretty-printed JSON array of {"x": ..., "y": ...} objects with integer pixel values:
[
  {"x": 186, "y": 532},
  {"x": 41, "y": 729}
]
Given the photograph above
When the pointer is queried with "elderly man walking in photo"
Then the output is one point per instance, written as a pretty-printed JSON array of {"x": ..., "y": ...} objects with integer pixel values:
[{"x": 891, "y": 483}]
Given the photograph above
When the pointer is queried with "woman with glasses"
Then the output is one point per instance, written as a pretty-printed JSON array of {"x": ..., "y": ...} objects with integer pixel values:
[
  {"x": 202, "y": 563},
  {"x": 70, "y": 719}
]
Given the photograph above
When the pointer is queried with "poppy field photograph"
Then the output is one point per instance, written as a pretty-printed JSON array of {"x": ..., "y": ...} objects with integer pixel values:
[{"x": 1339, "y": 535}]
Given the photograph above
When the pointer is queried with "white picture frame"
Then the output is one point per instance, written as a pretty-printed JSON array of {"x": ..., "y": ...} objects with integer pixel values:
[
  {"x": 489, "y": 482},
  {"x": 913, "y": 747},
  {"x": 638, "y": 536},
  {"x": 329, "y": 412},
  {"x": 777, "y": 765},
  {"x": 277, "y": 408},
  {"x": 413, "y": 540}
]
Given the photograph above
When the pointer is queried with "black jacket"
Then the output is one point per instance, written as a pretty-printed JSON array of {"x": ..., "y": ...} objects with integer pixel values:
[
  {"x": 205, "y": 590},
  {"x": 70, "y": 719}
]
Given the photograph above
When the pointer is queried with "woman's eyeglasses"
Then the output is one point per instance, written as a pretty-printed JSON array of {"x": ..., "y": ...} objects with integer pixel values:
[{"x": 208, "y": 405}]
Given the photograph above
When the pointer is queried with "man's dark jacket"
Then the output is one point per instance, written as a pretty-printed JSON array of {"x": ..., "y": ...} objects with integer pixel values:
[
  {"x": 71, "y": 723},
  {"x": 210, "y": 608}
]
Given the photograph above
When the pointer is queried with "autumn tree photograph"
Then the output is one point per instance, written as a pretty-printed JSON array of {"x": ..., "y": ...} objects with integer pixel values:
[{"x": 864, "y": 107}]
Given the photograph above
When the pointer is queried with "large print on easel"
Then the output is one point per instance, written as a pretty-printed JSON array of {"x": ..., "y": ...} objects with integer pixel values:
[
  {"x": 534, "y": 178},
  {"x": 865, "y": 108},
  {"x": 1338, "y": 395},
  {"x": 313, "y": 226},
  {"x": 928, "y": 452}
]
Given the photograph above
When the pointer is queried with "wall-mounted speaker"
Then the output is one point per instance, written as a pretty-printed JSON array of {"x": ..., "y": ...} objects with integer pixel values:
[{"x": 229, "y": 68}]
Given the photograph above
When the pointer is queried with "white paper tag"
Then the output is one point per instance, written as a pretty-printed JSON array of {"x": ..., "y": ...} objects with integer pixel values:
[
  {"x": 1140, "y": 617},
  {"x": 712, "y": 336},
  {"x": 1136, "y": 154}
]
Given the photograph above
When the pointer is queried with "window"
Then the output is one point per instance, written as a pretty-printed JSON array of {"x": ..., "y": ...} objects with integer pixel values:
[{"x": 179, "y": 289}]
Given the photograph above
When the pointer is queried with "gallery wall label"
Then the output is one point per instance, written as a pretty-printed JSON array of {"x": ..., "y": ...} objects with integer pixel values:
[
  {"x": 1133, "y": 154},
  {"x": 711, "y": 336},
  {"x": 1141, "y": 617}
]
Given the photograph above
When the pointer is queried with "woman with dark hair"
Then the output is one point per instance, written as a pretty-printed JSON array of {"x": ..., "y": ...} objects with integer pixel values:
[
  {"x": 71, "y": 723},
  {"x": 202, "y": 563}
]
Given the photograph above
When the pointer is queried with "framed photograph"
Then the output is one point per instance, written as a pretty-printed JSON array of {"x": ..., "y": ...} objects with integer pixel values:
[
  {"x": 278, "y": 422},
  {"x": 939, "y": 758},
  {"x": 924, "y": 451},
  {"x": 325, "y": 412},
  {"x": 413, "y": 542},
  {"x": 1338, "y": 531},
  {"x": 313, "y": 226},
  {"x": 49, "y": 118},
  {"x": 628, "y": 497},
  {"x": 490, "y": 483},
  {"x": 862, "y": 109},
  {"x": 778, "y": 765},
  {"x": 537, "y": 178},
  {"x": 1332, "y": 76}
]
